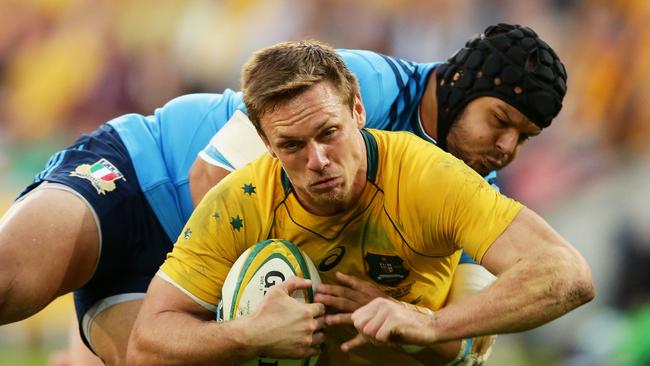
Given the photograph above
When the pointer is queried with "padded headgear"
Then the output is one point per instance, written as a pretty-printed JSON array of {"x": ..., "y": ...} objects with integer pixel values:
[{"x": 509, "y": 62}]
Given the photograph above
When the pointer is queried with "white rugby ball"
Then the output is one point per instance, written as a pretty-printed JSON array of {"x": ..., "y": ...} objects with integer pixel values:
[{"x": 266, "y": 264}]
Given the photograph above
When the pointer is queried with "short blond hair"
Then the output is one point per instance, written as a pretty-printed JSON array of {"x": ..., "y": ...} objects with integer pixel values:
[{"x": 280, "y": 72}]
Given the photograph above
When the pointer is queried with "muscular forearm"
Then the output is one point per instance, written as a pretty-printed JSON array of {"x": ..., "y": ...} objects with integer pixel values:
[
  {"x": 181, "y": 339},
  {"x": 532, "y": 292},
  {"x": 172, "y": 329}
]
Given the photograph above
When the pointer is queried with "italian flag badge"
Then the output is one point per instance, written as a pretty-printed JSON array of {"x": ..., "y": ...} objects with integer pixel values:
[{"x": 102, "y": 175}]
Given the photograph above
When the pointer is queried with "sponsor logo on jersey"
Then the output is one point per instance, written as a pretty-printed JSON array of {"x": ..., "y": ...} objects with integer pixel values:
[
  {"x": 332, "y": 259},
  {"x": 102, "y": 175},
  {"x": 387, "y": 270}
]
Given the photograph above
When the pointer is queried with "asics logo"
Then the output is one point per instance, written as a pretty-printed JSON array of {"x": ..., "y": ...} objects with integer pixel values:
[{"x": 333, "y": 258}]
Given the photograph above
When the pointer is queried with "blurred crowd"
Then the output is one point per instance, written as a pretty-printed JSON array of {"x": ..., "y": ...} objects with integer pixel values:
[{"x": 67, "y": 66}]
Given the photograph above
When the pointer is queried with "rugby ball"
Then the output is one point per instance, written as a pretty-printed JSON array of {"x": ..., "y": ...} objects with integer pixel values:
[{"x": 266, "y": 264}]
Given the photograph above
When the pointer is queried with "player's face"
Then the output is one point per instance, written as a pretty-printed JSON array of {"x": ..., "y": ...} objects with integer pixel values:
[
  {"x": 317, "y": 140},
  {"x": 489, "y": 133}
]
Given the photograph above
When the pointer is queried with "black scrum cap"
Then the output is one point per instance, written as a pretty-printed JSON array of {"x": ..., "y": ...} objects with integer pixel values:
[{"x": 509, "y": 62}]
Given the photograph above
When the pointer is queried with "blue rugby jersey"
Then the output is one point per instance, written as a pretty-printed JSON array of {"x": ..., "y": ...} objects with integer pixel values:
[
  {"x": 163, "y": 146},
  {"x": 391, "y": 90}
]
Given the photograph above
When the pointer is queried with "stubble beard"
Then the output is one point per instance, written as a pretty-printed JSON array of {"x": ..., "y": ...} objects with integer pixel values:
[{"x": 334, "y": 200}]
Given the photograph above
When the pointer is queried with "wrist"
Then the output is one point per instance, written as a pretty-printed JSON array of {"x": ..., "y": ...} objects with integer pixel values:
[
  {"x": 243, "y": 338},
  {"x": 419, "y": 309},
  {"x": 430, "y": 334}
]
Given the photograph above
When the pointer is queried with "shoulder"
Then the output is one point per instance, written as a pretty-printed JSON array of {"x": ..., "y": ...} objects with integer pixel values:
[
  {"x": 201, "y": 102},
  {"x": 360, "y": 57},
  {"x": 403, "y": 145},
  {"x": 408, "y": 160},
  {"x": 364, "y": 59}
]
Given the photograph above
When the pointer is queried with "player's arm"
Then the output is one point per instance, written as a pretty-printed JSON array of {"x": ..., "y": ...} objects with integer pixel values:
[
  {"x": 351, "y": 293},
  {"x": 540, "y": 277},
  {"x": 174, "y": 326},
  {"x": 173, "y": 329},
  {"x": 233, "y": 146},
  {"x": 204, "y": 176}
]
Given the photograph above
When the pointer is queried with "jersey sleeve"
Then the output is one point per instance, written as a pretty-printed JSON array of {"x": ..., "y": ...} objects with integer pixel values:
[
  {"x": 223, "y": 225},
  {"x": 463, "y": 210},
  {"x": 375, "y": 78}
]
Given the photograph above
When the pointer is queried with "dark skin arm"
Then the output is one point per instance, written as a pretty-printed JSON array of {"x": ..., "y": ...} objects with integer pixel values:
[
  {"x": 352, "y": 293},
  {"x": 204, "y": 176}
]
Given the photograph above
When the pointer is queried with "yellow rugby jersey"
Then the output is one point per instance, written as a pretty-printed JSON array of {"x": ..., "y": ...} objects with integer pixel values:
[{"x": 419, "y": 207}]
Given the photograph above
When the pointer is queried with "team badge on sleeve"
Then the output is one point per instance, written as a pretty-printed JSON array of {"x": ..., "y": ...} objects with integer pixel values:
[{"x": 102, "y": 175}]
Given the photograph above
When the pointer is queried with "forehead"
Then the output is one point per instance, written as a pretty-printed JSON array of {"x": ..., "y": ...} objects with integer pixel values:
[
  {"x": 318, "y": 103},
  {"x": 511, "y": 114}
]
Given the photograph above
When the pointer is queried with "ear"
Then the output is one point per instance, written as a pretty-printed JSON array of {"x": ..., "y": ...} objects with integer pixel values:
[
  {"x": 359, "y": 111},
  {"x": 265, "y": 140}
]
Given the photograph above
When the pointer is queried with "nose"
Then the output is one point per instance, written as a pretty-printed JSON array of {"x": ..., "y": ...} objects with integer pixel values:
[
  {"x": 317, "y": 157},
  {"x": 507, "y": 142}
]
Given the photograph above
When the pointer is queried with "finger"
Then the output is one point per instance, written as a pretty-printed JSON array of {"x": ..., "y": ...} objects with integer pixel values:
[
  {"x": 313, "y": 351},
  {"x": 355, "y": 342},
  {"x": 292, "y": 284},
  {"x": 348, "y": 280},
  {"x": 362, "y": 315},
  {"x": 317, "y": 309},
  {"x": 371, "y": 326},
  {"x": 334, "y": 290},
  {"x": 340, "y": 304},
  {"x": 336, "y": 319},
  {"x": 389, "y": 335},
  {"x": 317, "y": 338},
  {"x": 320, "y": 323},
  {"x": 481, "y": 345}
]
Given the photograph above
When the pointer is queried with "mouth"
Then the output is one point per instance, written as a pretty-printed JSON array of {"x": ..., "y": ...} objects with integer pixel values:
[
  {"x": 492, "y": 164},
  {"x": 325, "y": 184},
  {"x": 483, "y": 167},
  {"x": 489, "y": 166}
]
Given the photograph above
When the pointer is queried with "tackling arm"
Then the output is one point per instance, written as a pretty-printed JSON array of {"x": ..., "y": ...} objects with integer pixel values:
[
  {"x": 233, "y": 146},
  {"x": 540, "y": 277},
  {"x": 204, "y": 176}
]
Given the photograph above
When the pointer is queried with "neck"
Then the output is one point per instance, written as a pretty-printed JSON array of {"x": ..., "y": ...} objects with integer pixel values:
[{"x": 429, "y": 107}]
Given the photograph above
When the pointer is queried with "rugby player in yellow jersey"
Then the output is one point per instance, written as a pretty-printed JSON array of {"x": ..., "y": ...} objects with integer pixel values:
[{"x": 390, "y": 207}]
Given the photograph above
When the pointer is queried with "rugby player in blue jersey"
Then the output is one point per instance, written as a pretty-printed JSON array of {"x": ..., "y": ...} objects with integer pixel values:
[{"x": 101, "y": 217}]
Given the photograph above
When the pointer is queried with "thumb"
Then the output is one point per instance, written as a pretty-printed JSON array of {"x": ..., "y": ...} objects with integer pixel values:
[{"x": 292, "y": 284}]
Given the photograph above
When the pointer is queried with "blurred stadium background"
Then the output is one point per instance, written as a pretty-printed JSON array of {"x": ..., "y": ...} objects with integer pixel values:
[{"x": 68, "y": 65}]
